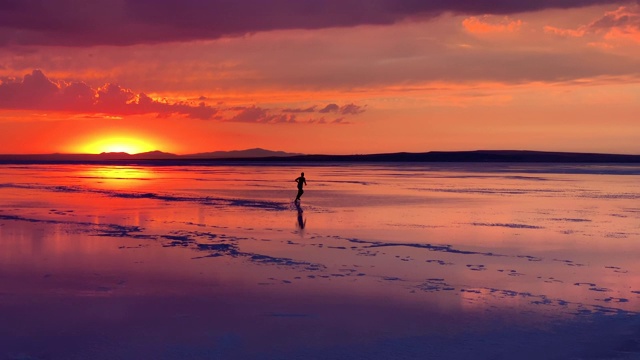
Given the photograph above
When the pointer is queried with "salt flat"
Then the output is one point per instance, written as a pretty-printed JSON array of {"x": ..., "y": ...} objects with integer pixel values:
[{"x": 448, "y": 261}]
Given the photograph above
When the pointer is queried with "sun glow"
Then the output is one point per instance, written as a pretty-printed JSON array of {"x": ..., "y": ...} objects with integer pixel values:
[{"x": 129, "y": 145}]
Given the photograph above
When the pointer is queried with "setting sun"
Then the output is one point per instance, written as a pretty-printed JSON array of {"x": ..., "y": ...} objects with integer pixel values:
[{"x": 118, "y": 144}]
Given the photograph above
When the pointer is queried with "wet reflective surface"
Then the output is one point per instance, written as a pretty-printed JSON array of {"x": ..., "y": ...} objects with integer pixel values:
[{"x": 376, "y": 262}]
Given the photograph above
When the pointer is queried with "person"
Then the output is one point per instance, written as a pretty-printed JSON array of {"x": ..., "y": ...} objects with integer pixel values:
[{"x": 300, "y": 180}]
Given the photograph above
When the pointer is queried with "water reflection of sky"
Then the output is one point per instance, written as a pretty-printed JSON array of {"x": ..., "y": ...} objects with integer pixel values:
[{"x": 371, "y": 251}]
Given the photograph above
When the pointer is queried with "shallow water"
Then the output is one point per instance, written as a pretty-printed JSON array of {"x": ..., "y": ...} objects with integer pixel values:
[{"x": 209, "y": 262}]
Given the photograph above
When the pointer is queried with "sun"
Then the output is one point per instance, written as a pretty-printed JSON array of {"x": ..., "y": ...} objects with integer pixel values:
[{"x": 130, "y": 145}]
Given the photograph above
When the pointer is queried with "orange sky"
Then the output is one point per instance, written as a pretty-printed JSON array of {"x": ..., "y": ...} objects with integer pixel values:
[{"x": 360, "y": 77}]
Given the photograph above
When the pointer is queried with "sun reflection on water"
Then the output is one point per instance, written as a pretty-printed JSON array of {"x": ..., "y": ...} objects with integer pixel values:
[{"x": 118, "y": 176}]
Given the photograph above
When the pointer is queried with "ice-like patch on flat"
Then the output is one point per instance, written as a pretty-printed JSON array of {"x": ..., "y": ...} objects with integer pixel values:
[{"x": 508, "y": 225}]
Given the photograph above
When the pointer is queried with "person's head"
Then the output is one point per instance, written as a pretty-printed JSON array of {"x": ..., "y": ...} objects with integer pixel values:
[{"x": 302, "y": 174}]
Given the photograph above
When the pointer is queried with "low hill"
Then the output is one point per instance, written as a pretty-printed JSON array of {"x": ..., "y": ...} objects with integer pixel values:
[{"x": 480, "y": 156}]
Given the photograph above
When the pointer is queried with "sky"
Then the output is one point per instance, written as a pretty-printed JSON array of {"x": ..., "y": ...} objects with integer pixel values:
[{"x": 319, "y": 76}]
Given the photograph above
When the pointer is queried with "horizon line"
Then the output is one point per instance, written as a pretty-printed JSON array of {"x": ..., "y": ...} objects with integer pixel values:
[{"x": 318, "y": 154}]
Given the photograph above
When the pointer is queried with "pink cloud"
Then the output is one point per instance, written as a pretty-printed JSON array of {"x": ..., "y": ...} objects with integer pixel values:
[
  {"x": 620, "y": 24},
  {"x": 487, "y": 24},
  {"x": 623, "y": 23},
  {"x": 623, "y": 17}
]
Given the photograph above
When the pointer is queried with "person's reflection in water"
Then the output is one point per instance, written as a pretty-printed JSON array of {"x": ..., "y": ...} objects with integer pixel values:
[{"x": 302, "y": 222}]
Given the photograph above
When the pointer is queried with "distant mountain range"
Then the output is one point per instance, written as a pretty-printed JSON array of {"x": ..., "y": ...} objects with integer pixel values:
[
  {"x": 235, "y": 154},
  {"x": 151, "y": 155},
  {"x": 267, "y": 156}
]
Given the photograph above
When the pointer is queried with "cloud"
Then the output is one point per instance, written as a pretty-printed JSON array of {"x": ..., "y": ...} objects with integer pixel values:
[
  {"x": 128, "y": 22},
  {"x": 255, "y": 114},
  {"x": 349, "y": 109},
  {"x": 294, "y": 66},
  {"x": 620, "y": 24},
  {"x": 623, "y": 17},
  {"x": 564, "y": 32},
  {"x": 623, "y": 23},
  {"x": 340, "y": 121},
  {"x": 329, "y": 109},
  {"x": 300, "y": 110},
  {"x": 37, "y": 92},
  {"x": 487, "y": 24}
]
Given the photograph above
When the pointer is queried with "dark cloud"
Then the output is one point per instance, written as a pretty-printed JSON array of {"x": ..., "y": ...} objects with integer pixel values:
[
  {"x": 340, "y": 121},
  {"x": 349, "y": 109},
  {"x": 251, "y": 114},
  {"x": 300, "y": 110},
  {"x": 317, "y": 121},
  {"x": 259, "y": 115},
  {"x": 254, "y": 114},
  {"x": 37, "y": 92},
  {"x": 127, "y": 22},
  {"x": 331, "y": 108}
]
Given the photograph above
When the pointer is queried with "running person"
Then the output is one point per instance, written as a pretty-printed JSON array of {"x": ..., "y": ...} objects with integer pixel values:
[{"x": 301, "y": 181}]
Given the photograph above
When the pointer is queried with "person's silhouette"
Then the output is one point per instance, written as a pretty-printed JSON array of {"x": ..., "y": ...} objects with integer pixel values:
[{"x": 301, "y": 181}]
